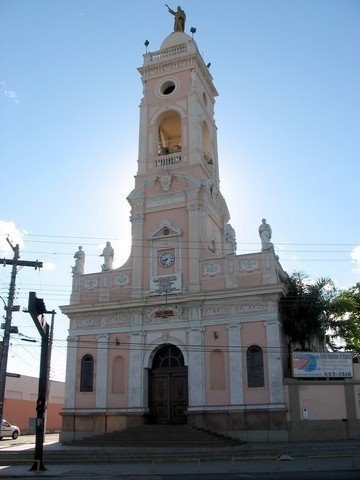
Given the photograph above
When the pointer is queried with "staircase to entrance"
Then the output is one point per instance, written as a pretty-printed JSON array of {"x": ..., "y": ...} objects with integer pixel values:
[{"x": 159, "y": 436}]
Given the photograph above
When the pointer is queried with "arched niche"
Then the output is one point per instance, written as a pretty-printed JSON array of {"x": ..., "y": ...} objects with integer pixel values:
[{"x": 169, "y": 133}]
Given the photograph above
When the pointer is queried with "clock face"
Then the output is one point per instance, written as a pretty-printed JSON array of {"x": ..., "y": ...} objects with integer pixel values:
[{"x": 167, "y": 259}]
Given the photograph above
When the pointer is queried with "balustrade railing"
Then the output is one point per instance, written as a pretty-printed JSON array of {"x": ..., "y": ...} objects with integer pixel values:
[
  {"x": 169, "y": 52},
  {"x": 168, "y": 160}
]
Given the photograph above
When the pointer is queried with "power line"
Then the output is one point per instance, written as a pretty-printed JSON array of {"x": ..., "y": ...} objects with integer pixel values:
[
  {"x": 127, "y": 346},
  {"x": 117, "y": 239}
]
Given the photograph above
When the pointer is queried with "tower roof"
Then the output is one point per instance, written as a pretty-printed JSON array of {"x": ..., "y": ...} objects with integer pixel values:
[{"x": 176, "y": 38}]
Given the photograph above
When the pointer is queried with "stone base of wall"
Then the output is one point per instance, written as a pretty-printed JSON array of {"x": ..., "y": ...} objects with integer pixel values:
[
  {"x": 246, "y": 425},
  {"x": 324, "y": 430},
  {"x": 76, "y": 426}
]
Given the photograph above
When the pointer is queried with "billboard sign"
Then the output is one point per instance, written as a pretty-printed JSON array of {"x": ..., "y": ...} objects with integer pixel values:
[{"x": 322, "y": 364}]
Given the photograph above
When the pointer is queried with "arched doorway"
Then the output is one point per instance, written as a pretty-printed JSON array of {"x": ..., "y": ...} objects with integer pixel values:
[{"x": 168, "y": 387}]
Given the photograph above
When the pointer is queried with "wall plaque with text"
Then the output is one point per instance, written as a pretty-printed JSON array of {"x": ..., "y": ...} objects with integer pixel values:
[{"x": 166, "y": 284}]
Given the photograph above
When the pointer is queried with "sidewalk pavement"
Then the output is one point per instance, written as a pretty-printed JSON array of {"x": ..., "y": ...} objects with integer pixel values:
[
  {"x": 191, "y": 464},
  {"x": 190, "y": 467}
]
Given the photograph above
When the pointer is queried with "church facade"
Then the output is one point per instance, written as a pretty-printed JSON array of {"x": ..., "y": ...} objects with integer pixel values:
[{"x": 186, "y": 331}]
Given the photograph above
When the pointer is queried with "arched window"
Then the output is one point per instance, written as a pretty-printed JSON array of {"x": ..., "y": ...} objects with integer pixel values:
[
  {"x": 255, "y": 366},
  {"x": 217, "y": 370},
  {"x": 207, "y": 148},
  {"x": 87, "y": 374},
  {"x": 168, "y": 356},
  {"x": 118, "y": 375}
]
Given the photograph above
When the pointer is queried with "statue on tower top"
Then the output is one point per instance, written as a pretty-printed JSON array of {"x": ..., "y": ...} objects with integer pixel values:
[
  {"x": 78, "y": 268},
  {"x": 179, "y": 20},
  {"x": 108, "y": 254},
  {"x": 265, "y": 236}
]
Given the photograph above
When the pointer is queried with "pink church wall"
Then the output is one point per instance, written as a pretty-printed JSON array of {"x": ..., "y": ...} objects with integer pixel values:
[
  {"x": 184, "y": 85},
  {"x": 178, "y": 219},
  {"x": 254, "y": 334},
  {"x": 118, "y": 379},
  {"x": 86, "y": 345},
  {"x": 216, "y": 366}
]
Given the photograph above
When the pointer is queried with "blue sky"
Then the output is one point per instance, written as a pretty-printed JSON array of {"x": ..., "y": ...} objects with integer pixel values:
[{"x": 288, "y": 76}]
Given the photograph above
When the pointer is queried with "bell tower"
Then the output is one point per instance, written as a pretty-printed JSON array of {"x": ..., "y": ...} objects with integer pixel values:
[
  {"x": 186, "y": 329},
  {"x": 178, "y": 214}
]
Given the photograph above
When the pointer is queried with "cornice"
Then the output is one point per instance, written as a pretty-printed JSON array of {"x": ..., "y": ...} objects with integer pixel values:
[
  {"x": 178, "y": 64},
  {"x": 262, "y": 293}
]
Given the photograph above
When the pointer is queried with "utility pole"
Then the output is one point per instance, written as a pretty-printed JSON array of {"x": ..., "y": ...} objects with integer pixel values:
[
  {"x": 50, "y": 341},
  {"x": 15, "y": 262},
  {"x": 37, "y": 310}
]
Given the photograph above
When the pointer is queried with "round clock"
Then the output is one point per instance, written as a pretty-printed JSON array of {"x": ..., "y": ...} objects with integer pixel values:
[{"x": 167, "y": 259}]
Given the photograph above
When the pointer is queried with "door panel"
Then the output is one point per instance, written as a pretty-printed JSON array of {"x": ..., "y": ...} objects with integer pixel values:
[
  {"x": 160, "y": 398},
  {"x": 179, "y": 397},
  {"x": 168, "y": 396}
]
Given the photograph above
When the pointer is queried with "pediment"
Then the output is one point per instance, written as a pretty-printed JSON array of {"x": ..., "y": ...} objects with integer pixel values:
[
  {"x": 139, "y": 191},
  {"x": 165, "y": 229},
  {"x": 189, "y": 179}
]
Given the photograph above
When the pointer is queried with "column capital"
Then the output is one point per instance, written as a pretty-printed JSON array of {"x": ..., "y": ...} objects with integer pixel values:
[
  {"x": 102, "y": 336},
  {"x": 233, "y": 326},
  {"x": 72, "y": 338}
]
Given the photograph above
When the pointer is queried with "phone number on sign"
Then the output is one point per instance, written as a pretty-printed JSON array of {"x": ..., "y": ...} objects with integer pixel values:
[{"x": 337, "y": 374}]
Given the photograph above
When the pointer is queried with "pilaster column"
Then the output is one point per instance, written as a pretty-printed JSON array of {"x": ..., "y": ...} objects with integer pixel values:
[
  {"x": 352, "y": 422},
  {"x": 101, "y": 371},
  {"x": 195, "y": 214},
  {"x": 104, "y": 293},
  {"x": 275, "y": 370},
  {"x": 196, "y": 374},
  {"x": 71, "y": 370},
  {"x": 235, "y": 365},
  {"x": 136, "y": 376},
  {"x": 142, "y": 165},
  {"x": 75, "y": 292},
  {"x": 137, "y": 220},
  {"x": 230, "y": 277},
  {"x": 193, "y": 128}
]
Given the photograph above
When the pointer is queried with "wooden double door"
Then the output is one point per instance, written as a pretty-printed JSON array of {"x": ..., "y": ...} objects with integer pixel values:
[{"x": 168, "y": 388}]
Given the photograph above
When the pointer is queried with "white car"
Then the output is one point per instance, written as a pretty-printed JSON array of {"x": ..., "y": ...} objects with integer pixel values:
[{"x": 8, "y": 430}]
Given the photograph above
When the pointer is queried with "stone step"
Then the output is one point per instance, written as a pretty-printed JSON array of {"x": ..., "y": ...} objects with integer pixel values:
[
  {"x": 159, "y": 435},
  {"x": 118, "y": 454}
]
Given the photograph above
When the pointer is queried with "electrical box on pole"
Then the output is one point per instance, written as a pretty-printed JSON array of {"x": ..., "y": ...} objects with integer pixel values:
[{"x": 37, "y": 309}]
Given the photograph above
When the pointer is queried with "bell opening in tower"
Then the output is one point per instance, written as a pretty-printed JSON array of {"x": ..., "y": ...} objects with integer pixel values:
[{"x": 169, "y": 138}]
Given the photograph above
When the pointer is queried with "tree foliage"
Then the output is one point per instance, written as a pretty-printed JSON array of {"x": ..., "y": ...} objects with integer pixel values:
[
  {"x": 305, "y": 309},
  {"x": 346, "y": 317}
]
